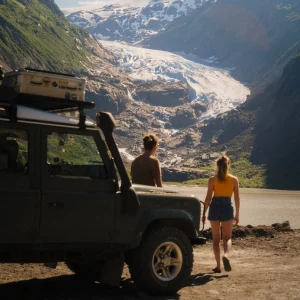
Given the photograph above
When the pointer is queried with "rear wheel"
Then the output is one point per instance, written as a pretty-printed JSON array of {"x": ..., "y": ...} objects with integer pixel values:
[
  {"x": 163, "y": 262},
  {"x": 90, "y": 271}
]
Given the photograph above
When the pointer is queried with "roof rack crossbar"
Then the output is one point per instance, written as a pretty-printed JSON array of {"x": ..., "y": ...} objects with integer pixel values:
[{"x": 49, "y": 72}]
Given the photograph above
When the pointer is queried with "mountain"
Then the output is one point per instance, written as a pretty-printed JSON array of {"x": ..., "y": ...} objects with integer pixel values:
[
  {"x": 262, "y": 135},
  {"x": 255, "y": 38},
  {"x": 36, "y": 34},
  {"x": 132, "y": 23}
]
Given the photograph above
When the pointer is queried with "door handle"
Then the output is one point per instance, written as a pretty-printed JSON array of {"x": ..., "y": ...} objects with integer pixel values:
[{"x": 55, "y": 205}]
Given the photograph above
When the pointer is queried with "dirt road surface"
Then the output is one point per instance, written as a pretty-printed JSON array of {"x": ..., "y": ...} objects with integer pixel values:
[{"x": 263, "y": 268}]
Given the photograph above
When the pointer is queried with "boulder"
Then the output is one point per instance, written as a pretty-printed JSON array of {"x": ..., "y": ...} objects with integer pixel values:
[{"x": 166, "y": 94}]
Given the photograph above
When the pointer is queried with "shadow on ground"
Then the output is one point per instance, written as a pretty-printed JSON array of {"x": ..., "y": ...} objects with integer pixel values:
[
  {"x": 69, "y": 287},
  {"x": 203, "y": 278}
]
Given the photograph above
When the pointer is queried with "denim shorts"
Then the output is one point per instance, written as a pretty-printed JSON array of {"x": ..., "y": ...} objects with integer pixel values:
[{"x": 220, "y": 209}]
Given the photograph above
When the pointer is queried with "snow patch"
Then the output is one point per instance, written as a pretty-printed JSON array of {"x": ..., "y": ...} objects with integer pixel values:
[{"x": 135, "y": 19}]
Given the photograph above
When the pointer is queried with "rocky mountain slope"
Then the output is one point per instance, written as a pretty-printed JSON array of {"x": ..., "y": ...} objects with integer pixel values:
[
  {"x": 254, "y": 37},
  {"x": 125, "y": 22}
]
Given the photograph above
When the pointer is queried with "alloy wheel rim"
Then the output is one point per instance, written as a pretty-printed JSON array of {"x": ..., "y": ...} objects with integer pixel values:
[{"x": 167, "y": 261}]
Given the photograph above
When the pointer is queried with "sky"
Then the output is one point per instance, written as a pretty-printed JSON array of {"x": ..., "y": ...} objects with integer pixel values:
[{"x": 78, "y": 3}]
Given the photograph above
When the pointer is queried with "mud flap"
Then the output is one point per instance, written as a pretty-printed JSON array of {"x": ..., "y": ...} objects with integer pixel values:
[
  {"x": 198, "y": 241},
  {"x": 112, "y": 270},
  {"x": 51, "y": 265}
]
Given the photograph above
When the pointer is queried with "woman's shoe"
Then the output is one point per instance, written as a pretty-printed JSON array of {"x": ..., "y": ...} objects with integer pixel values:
[
  {"x": 226, "y": 264},
  {"x": 216, "y": 270}
]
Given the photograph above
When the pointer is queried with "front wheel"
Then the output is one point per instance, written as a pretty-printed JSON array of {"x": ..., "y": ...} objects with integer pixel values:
[{"x": 163, "y": 262}]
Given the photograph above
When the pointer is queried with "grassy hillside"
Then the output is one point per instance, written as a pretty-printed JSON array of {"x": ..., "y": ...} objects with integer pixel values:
[{"x": 35, "y": 33}]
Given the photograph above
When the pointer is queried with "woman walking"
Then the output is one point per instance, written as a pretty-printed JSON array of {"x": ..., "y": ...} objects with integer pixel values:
[
  {"x": 218, "y": 199},
  {"x": 145, "y": 169}
]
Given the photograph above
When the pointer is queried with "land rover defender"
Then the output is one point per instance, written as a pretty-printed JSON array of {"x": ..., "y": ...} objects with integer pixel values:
[{"x": 62, "y": 201}]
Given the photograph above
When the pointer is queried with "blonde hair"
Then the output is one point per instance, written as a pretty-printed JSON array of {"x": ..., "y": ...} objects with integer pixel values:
[
  {"x": 150, "y": 141},
  {"x": 223, "y": 166}
]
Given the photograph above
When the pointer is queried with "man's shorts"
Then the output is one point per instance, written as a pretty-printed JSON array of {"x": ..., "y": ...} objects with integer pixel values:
[{"x": 220, "y": 209}]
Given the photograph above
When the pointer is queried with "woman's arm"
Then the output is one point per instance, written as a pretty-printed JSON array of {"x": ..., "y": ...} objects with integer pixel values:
[
  {"x": 157, "y": 174},
  {"x": 237, "y": 200},
  {"x": 208, "y": 197}
]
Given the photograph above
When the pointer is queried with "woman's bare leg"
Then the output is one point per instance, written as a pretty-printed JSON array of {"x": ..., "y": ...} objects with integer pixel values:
[
  {"x": 216, "y": 235},
  {"x": 226, "y": 236}
]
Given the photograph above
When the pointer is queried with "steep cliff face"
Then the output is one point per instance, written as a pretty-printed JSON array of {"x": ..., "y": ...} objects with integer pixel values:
[
  {"x": 277, "y": 140},
  {"x": 264, "y": 130},
  {"x": 253, "y": 37}
]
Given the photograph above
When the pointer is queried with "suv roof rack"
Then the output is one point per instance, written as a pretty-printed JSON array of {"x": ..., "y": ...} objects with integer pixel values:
[{"x": 11, "y": 98}]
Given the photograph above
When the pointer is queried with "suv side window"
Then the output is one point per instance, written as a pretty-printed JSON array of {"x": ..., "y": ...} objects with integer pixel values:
[
  {"x": 13, "y": 151},
  {"x": 74, "y": 156}
]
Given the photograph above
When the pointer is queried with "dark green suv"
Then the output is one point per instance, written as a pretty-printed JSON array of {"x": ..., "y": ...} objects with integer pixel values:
[{"x": 61, "y": 200}]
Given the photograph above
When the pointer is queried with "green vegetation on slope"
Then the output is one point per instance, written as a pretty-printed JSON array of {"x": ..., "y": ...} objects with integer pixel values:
[
  {"x": 250, "y": 175},
  {"x": 33, "y": 34}
]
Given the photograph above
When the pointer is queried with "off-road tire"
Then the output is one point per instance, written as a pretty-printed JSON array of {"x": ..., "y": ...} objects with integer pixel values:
[
  {"x": 90, "y": 271},
  {"x": 141, "y": 267}
]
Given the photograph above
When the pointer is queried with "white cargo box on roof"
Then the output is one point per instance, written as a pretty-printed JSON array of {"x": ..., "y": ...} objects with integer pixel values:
[{"x": 44, "y": 83}]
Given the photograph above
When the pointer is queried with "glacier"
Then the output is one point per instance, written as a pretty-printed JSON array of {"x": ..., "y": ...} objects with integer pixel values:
[{"x": 212, "y": 86}]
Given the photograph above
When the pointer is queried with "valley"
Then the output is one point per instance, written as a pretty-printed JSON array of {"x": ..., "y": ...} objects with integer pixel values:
[
  {"x": 172, "y": 96},
  {"x": 208, "y": 77}
]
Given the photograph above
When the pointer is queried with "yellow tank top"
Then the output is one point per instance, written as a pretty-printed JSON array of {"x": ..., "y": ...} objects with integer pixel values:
[{"x": 223, "y": 189}]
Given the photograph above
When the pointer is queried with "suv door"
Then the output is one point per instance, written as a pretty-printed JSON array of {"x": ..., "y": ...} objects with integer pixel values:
[
  {"x": 19, "y": 184},
  {"x": 78, "y": 197}
]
